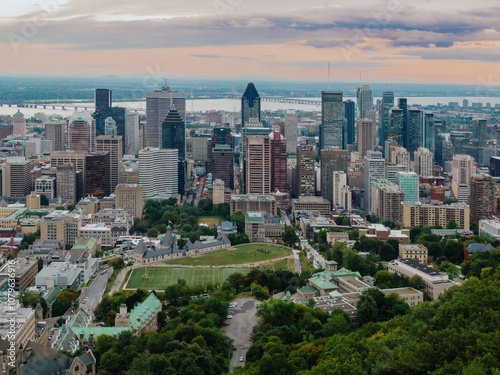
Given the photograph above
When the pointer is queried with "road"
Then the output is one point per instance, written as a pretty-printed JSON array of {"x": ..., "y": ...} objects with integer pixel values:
[
  {"x": 319, "y": 260},
  {"x": 94, "y": 292},
  {"x": 119, "y": 279},
  {"x": 240, "y": 327},
  {"x": 296, "y": 259}
]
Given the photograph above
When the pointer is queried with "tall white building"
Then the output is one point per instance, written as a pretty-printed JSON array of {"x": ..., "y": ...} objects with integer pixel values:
[
  {"x": 341, "y": 191},
  {"x": 132, "y": 133},
  {"x": 374, "y": 169},
  {"x": 400, "y": 156},
  {"x": 158, "y": 171},
  {"x": 463, "y": 168},
  {"x": 423, "y": 162},
  {"x": 291, "y": 131},
  {"x": 364, "y": 100},
  {"x": 158, "y": 104}
]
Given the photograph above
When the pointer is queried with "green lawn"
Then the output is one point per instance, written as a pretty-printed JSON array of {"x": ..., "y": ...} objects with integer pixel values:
[
  {"x": 161, "y": 277},
  {"x": 242, "y": 254},
  {"x": 210, "y": 220}
]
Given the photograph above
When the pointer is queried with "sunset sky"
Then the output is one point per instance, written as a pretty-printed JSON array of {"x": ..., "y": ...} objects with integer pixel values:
[{"x": 433, "y": 41}]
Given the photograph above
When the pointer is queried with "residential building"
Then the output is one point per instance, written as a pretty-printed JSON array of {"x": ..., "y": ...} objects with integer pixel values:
[
  {"x": 400, "y": 156},
  {"x": 481, "y": 198},
  {"x": 24, "y": 318},
  {"x": 385, "y": 116},
  {"x": 341, "y": 192},
  {"x": 306, "y": 176},
  {"x": 415, "y": 130},
  {"x": 374, "y": 169},
  {"x": 386, "y": 200},
  {"x": 417, "y": 214},
  {"x": 423, "y": 162},
  {"x": 414, "y": 251},
  {"x": 408, "y": 182},
  {"x": 463, "y": 168}
]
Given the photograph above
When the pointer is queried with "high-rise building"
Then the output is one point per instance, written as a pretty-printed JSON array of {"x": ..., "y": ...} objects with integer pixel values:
[
  {"x": 110, "y": 126},
  {"x": 66, "y": 182},
  {"x": 494, "y": 168},
  {"x": 291, "y": 131},
  {"x": 103, "y": 98},
  {"x": 158, "y": 171},
  {"x": 463, "y": 168},
  {"x": 55, "y": 130},
  {"x": 250, "y": 104},
  {"x": 113, "y": 145},
  {"x": 331, "y": 131},
  {"x": 19, "y": 124},
  {"x": 423, "y": 162},
  {"x": 129, "y": 197},
  {"x": 252, "y": 128},
  {"x": 374, "y": 169},
  {"x": 200, "y": 146},
  {"x": 396, "y": 126},
  {"x": 408, "y": 184},
  {"x": 350, "y": 116},
  {"x": 385, "y": 116},
  {"x": 118, "y": 114},
  {"x": 97, "y": 174},
  {"x": 479, "y": 133},
  {"x": 414, "y": 135},
  {"x": 403, "y": 105},
  {"x": 481, "y": 198},
  {"x": 222, "y": 164},
  {"x": 158, "y": 104},
  {"x": 386, "y": 199},
  {"x": 400, "y": 156},
  {"x": 365, "y": 101},
  {"x": 131, "y": 136},
  {"x": 81, "y": 132},
  {"x": 16, "y": 177},
  {"x": 173, "y": 136},
  {"x": 332, "y": 160},
  {"x": 429, "y": 137},
  {"x": 258, "y": 171},
  {"x": 278, "y": 162},
  {"x": 306, "y": 176},
  {"x": 365, "y": 136},
  {"x": 341, "y": 191}
]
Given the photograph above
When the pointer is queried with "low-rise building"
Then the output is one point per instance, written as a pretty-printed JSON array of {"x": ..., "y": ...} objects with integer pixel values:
[
  {"x": 414, "y": 251},
  {"x": 333, "y": 237},
  {"x": 309, "y": 203},
  {"x": 261, "y": 226},
  {"x": 24, "y": 318},
  {"x": 253, "y": 202},
  {"x": 59, "y": 274},
  {"x": 489, "y": 228},
  {"x": 411, "y": 296},
  {"x": 436, "y": 282},
  {"x": 24, "y": 270},
  {"x": 417, "y": 215},
  {"x": 227, "y": 228}
]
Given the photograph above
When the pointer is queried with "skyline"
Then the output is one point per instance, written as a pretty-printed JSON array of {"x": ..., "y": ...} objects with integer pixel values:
[{"x": 384, "y": 41}]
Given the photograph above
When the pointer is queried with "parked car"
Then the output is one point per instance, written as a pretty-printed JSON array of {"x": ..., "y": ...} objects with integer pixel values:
[
  {"x": 242, "y": 359},
  {"x": 230, "y": 317}
]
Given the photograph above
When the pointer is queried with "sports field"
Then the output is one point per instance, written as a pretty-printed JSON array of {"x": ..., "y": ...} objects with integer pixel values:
[
  {"x": 242, "y": 254},
  {"x": 160, "y": 277},
  {"x": 210, "y": 220}
]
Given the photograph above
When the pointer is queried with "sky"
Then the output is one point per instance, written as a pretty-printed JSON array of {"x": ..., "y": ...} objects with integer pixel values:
[{"x": 426, "y": 41}]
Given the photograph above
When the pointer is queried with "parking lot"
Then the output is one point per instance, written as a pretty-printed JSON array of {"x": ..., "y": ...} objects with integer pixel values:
[{"x": 239, "y": 327}]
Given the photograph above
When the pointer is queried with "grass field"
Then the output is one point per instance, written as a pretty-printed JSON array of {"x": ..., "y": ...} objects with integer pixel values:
[
  {"x": 210, "y": 220},
  {"x": 161, "y": 277},
  {"x": 287, "y": 264},
  {"x": 242, "y": 254}
]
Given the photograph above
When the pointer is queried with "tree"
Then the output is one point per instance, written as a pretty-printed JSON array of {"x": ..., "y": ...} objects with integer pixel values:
[
  {"x": 206, "y": 206},
  {"x": 367, "y": 309},
  {"x": 153, "y": 232},
  {"x": 239, "y": 220},
  {"x": 290, "y": 237},
  {"x": 387, "y": 252},
  {"x": 452, "y": 225},
  {"x": 181, "y": 242},
  {"x": 64, "y": 301},
  {"x": 416, "y": 282}
]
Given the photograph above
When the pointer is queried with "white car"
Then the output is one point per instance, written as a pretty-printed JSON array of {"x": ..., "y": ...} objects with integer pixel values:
[
  {"x": 242, "y": 359},
  {"x": 230, "y": 317}
]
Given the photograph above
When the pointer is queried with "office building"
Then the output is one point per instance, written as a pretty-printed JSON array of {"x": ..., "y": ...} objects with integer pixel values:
[
  {"x": 252, "y": 128},
  {"x": 258, "y": 159},
  {"x": 396, "y": 126},
  {"x": 408, "y": 182},
  {"x": 481, "y": 197},
  {"x": 393, "y": 169},
  {"x": 16, "y": 177},
  {"x": 332, "y": 160},
  {"x": 96, "y": 177},
  {"x": 414, "y": 134},
  {"x": 200, "y": 148},
  {"x": 403, "y": 105},
  {"x": 479, "y": 132},
  {"x": 374, "y": 169},
  {"x": 46, "y": 185},
  {"x": 81, "y": 132},
  {"x": 385, "y": 116},
  {"x": 6, "y": 130},
  {"x": 32, "y": 147},
  {"x": 423, "y": 162},
  {"x": 67, "y": 183},
  {"x": 365, "y": 101},
  {"x": 158, "y": 104},
  {"x": 350, "y": 116},
  {"x": 386, "y": 198},
  {"x": 250, "y": 104},
  {"x": 278, "y": 162},
  {"x": 252, "y": 202},
  {"x": 103, "y": 98},
  {"x": 131, "y": 137},
  {"x": 110, "y": 126},
  {"x": 429, "y": 136},
  {"x": 365, "y": 136},
  {"x": 129, "y": 197},
  {"x": 19, "y": 125},
  {"x": 158, "y": 171},
  {"x": 291, "y": 131},
  {"x": 113, "y": 145},
  {"x": 173, "y": 136},
  {"x": 306, "y": 176},
  {"x": 118, "y": 115},
  {"x": 463, "y": 168},
  {"x": 222, "y": 164},
  {"x": 308, "y": 203},
  {"x": 420, "y": 215},
  {"x": 55, "y": 130},
  {"x": 331, "y": 131}
]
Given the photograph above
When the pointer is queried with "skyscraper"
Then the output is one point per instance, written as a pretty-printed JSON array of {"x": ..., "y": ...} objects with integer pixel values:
[
  {"x": 110, "y": 127},
  {"x": 258, "y": 170},
  {"x": 350, "y": 116},
  {"x": 81, "y": 132},
  {"x": 55, "y": 130},
  {"x": 131, "y": 138},
  {"x": 16, "y": 177},
  {"x": 374, "y": 169},
  {"x": 158, "y": 104},
  {"x": 97, "y": 174},
  {"x": 250, "y": 104},
  {"x": 332, "y": 120},
  {"x": 365, "y": 101},
  {"x": 385, "y": 116},
  {"x": 118, "y": 114},
  {"x": 396, "y": 126},
  {"x": 278, "y": 162},
  {"x": 403, "y": 105},
  {"x": 291, "y": 124},
  {"x": 332, "y": 160},
  {"x": 253, "y": 128},
  {"x": 222, "y": 164},
  {"x": 479, "y": 133},
  {"x": 482, "y": 195},
  {"x": 429, "y": 137},
  {"x": 112, "y": 145},
  {"x": 173, "y": 136},
  {"x": 341, "y": 191},
  {"x": 19, "y": 124},
  {"x": 158, "y": 169},
  {"x": 414, "y": 135},
  {"x": 102, "y": 99},
  {"x": 463, "y": 168},
  {"x": 306, "y": 175},
  {"x": 66, "y": 182},
  {"x": 423, "y": 162},
  {"x": 365, "y": 136}
]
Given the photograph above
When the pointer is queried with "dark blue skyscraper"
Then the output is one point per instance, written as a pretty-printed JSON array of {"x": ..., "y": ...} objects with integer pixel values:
[
  {"x": 385, "y": 116},
  {"x": 116, "y": 113},
  {"x": 173, "y": 135},
  {"x": 250, "y": 104},
  {"x": 403, "y": 105},
  {"x": 102, "y": 99},
  {"x": 350, "y": 115}
]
